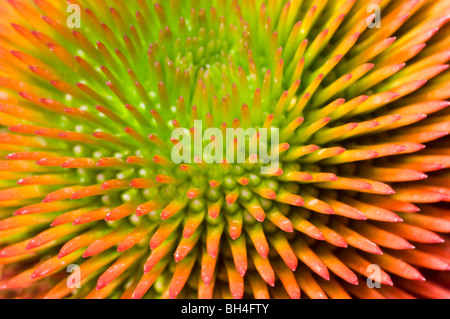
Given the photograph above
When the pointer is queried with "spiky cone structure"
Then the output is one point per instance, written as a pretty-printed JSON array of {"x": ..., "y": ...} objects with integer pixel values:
[{"x": 86, "y": 118}]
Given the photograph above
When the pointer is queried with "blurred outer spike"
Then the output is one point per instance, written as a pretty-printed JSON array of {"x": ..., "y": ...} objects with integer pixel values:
[
  {"x": 20, "y": 281},
  {"x": 428, "y": 222},
  {"x": 413, "y": 233},
  {"x": 393, "y": 292},
  {"x": 390, "y": 203},
  {"x": 333, "y": 289},
  {"x": 364, "y": 292},
  {"x": 25, "y": 220},
  {"x": 422, "y": 259},
  {"x": 41, "y": 208},
  {"x": 426, "y": 289},
  {"x": 418, "y": 195},
  {"x": 23, "y": 192}
]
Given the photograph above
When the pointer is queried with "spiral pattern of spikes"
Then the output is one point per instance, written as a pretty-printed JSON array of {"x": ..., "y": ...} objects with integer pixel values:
[{"x": 86, "y": 116}]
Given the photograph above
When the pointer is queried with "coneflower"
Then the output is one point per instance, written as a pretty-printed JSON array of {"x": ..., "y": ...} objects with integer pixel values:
[{"x": 87, "y": 179}]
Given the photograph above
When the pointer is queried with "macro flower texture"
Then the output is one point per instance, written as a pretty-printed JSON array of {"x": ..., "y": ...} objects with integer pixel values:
[{"x": 92, "y": 204}]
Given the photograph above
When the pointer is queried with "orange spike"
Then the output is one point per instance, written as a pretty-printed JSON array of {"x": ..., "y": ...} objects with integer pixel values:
[
  {"x": 61, "y": 194},
  {"x": 148, "y": 279},
  {"x": 239, "y": 252},
  {"x": 55, "y": 264},
  {"x": 308, "y": 284},
  {"x": 236, "y": 282},
  {"x": 181, "y": 274},
  {"x": 382, "y": 237},
  {"x": 93, "y": 190},
  {"x": 213, "y": 235},
  {"x": 82, "y": 240},
  {"x": 133, "y": 238},
  {"x": 302, "y": 225},
  {"x": 356, "y": 240},
  {"x": 111, "y": 239},
  {"x": 185, "y": 246},
  {"x": 280, "y": 221},
  {"x": 287, "y": 279},
  {"x": 235, "y": 225},
  {"x": 361, "y": 266},
  {"x": 173, "y": 208},
  {"x": 208, "y": 268},
  {"x": 336, "y": 266},
  {"x": 159, "y": 253},
  {"x": 413, "y": 233},
  {"x": 284, "y": 249},
  {"x": 91, "y": 216},
  {"x": 329, "y": 235},
  {"x": 259, "y": 240},
  {"x": 396, "y": 266},
  {"x": 120, "y": 265},
  {"x": 163, "y": 232},
  {"x": 264, "y": 268},
  {"x": 372, "y": 212},
  {"x": 69, "y": 217},
  {"x": 309, "y": 258},
  {"x": 150, "y": 206}
]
